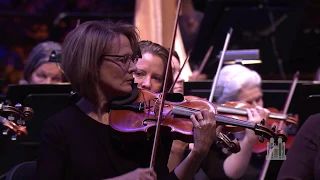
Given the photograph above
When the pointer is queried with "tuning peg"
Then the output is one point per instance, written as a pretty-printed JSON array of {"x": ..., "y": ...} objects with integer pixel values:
[
  {"x": 21, "y": 122},
  {"x": 18, "y": 105},
  {"x": 225, "y": 150},
  {"x": 14, "y": 137},
  {"x": 261, "y": 138},
  {"x": 274, "y": 127},
  {"x": 262, "y": 122},
  {"x": 11, "y": 118},
  {"x": 6, "y": 131}
]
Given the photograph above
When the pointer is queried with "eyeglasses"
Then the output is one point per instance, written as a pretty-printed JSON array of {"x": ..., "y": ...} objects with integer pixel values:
[{"x": 125, "y": 59}]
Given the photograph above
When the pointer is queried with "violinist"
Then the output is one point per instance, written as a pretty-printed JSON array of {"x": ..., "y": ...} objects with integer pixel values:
[
  {"x": 38, "y": 69},
  {"x": 238, "y": 83},
  {"x": 152, "y": 66},
  {"x": 99, "y": 59},
  {"x": 303, "y": 158}
]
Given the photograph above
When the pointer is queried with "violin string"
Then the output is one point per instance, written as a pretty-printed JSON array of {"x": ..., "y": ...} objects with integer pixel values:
[{"x": 220, "y": 118}]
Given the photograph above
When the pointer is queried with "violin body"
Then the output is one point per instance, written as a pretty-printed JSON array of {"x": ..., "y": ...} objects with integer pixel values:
[{"x": 139, "y": 120}]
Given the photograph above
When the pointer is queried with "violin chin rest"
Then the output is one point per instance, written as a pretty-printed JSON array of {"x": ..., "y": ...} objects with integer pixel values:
[{"x": 174, "y": 97}]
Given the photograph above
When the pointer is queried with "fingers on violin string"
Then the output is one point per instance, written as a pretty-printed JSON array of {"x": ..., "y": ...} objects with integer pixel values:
[
  {"x": 250, "y": 116},
  {"x": 211, "y": 115},
  {"x": 199, "y": 115},
  {"x": 194, "y": 121},
  {"x": 205, "y": 114}
]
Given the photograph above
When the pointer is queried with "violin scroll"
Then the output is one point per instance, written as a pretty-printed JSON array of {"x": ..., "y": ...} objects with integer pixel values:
[
  {"x": 14, "y": 119},
  {"x": 227, "y": 145},
  {"x": 263, "y": 132}
]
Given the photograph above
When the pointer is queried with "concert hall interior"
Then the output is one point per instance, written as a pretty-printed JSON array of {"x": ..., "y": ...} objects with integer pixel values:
[{"x": 159, "y": 89}]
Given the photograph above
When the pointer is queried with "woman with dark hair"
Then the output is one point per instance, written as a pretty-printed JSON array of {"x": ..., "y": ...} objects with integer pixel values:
[
  {"x": 38, "y": 69},
  {"x": 99, "y": 60}
]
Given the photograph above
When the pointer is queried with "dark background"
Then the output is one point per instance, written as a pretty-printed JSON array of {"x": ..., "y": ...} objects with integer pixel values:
[
  {"x": 25, "y": 23},
  {"x": 296, "y": 38}
]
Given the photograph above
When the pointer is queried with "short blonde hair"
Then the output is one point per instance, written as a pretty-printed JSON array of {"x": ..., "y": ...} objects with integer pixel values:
[
  {"x": 232, "y": 79},
  {"x": 82, "y": 50}
]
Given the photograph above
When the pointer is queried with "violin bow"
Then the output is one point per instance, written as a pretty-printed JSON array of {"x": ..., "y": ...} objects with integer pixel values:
[
  {"x": 216, "y": 77},
  {"x": 204, "y": 61},
  {"x": 285, "y": 110},
  {"x": 159, "y": 118},
  {"x": 176, "y": 79}
]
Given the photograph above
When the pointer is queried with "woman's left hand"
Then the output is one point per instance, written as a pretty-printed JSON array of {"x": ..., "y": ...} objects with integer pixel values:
[{"x": 256, "y": 115}]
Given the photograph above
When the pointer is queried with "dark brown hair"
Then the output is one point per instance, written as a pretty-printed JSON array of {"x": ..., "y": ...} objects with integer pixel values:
[
  {"x": 82, "y": 50},
  {"x": 158, "y": 50}
]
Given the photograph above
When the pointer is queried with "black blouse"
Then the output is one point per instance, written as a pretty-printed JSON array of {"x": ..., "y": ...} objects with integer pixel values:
[
  {"x": 303, "y": 157},
  {"x": 74, "y": 146}
]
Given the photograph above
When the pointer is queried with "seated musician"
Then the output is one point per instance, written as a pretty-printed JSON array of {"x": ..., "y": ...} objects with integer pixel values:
[
  {"x": 302, "y": 159},
  {"x": 238, "y": 83},
  {"x": 38, "y": 69},
  {"x": 150, "y": 76},
  {"x": 144, "y": 77},
  {"x": 99, "y": 59}
]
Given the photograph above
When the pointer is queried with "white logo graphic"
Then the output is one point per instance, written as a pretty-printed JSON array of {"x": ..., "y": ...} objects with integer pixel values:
[{"x": 274, "y": 151}]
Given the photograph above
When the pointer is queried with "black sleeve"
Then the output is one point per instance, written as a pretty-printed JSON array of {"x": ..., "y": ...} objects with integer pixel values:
[
  {"x": 171, "y": 176},
  {"x": 300, "y": 160},
  {"x": 51, "y": 159},
  {"x": 212, "y": 165}
]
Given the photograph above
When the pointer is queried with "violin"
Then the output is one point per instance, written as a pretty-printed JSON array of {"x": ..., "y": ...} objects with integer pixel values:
[
  {"x": 238, "y": 110},
  {"x": 223, "y": 141},
  {"x": 137, "y": 119},
  {"x": 13, "y": 118}
]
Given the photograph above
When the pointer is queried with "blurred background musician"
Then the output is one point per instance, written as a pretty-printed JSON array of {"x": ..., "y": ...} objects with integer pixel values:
[
  {"x": 238, "y": 83},
  {"x": 38, "y": 69}
]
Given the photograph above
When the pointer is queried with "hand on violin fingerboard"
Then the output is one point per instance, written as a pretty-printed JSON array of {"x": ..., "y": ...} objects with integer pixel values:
[
  {"x": 255, "y": 115},
  {"x": 204, "y": 131}
]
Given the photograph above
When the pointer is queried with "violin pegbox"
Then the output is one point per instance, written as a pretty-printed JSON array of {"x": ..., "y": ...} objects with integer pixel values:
[
  {"x": 13, "y": 118},
  {"x": 227, "y": 145}
]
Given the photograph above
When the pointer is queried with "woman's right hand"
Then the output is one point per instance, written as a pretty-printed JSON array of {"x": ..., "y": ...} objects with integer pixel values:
[
  {"x": 140, "y": 173},
  {"x": 204, "y": 125}
]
